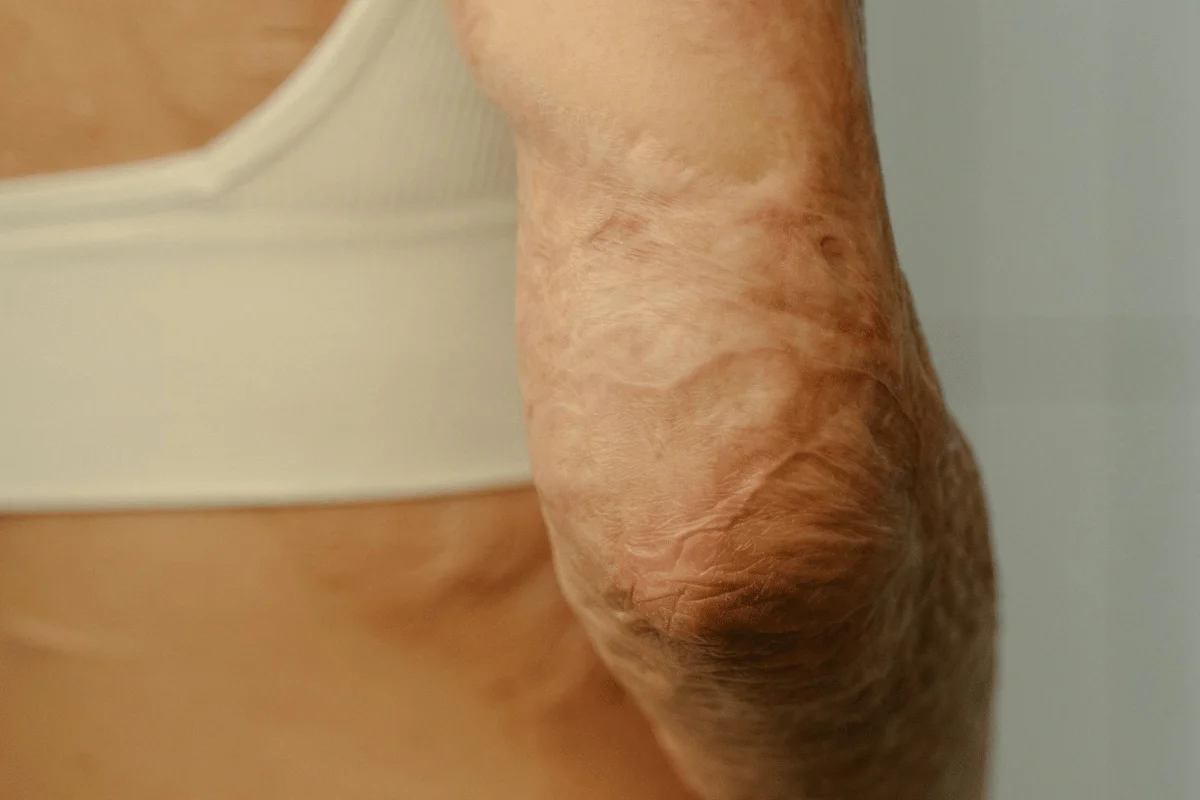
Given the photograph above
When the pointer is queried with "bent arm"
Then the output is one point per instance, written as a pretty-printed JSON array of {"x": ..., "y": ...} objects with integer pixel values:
[{"x": 759, "y": 506}]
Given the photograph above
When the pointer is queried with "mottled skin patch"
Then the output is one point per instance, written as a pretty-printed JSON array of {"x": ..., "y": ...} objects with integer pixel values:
[{"x": 759, "y": 505}]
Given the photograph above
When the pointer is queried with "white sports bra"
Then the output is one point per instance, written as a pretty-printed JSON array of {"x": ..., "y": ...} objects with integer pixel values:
[{"x": 317, "y": 306}]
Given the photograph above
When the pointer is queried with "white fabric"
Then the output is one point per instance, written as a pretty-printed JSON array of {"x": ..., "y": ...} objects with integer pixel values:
[{"x": 317, "y": 306}]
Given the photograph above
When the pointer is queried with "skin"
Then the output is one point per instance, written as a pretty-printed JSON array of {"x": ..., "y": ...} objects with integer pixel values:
[
  {"x": 92, "y": 84},
  {"x": 757, "y": 563},
  {"x": 417, "y": 650}
]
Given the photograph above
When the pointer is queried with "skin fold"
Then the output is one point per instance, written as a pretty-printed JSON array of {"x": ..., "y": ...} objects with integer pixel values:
[{"x": 760, "y": 507}]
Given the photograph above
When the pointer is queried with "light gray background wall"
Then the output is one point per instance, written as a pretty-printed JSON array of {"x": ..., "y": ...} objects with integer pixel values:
[{"x": 1043, "y": 165}]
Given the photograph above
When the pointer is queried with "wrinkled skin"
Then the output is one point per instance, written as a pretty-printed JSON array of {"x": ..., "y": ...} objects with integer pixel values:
[{"x": 760, "y": 507}]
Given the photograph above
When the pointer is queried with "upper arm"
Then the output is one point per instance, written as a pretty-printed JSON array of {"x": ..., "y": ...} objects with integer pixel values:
[
  {"x": 705, "y": 266},
  {"x": 701, "y": 203},
  {"x": 736, "y": 84}
]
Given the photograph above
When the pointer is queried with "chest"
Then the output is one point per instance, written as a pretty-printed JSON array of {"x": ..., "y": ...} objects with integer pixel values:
[{"x": 89, "y": 84}]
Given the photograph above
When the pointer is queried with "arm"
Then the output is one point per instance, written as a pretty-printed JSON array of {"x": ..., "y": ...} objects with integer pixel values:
[{"x": 760, "y": 508}]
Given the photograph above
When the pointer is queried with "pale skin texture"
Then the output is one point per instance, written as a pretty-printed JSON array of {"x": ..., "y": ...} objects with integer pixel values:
[{"x": 760, "y": 509}]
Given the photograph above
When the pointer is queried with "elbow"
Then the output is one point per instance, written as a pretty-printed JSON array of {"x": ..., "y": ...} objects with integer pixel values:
[
  {"x": 763, "y": 505},
  {"x": 798, "y": 555}
]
